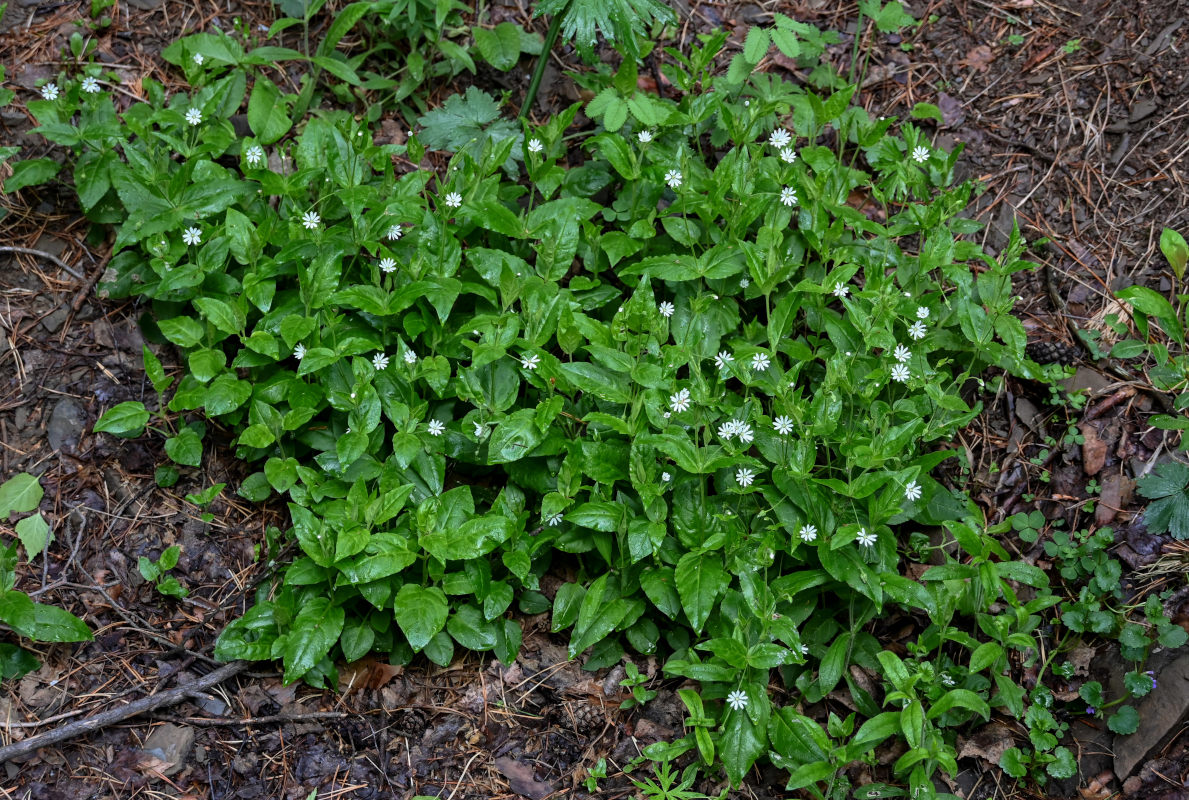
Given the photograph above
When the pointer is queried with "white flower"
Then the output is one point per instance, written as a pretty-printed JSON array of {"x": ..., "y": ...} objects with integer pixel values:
[
  {"x": 644, "y": 136},
  {"x": 922, "y": 312},
  {"x": 310, "y": 220},
  {"x": 840, "y": 290},
  {"x": 737, "y": 700},
  {"x": 90, "y": 85},
  {"x": 901, "y": 353},
  {"x": 530, "y": 361},
  {"x": 410, "y": 357},
  {"x": 787, "y": 155},
  {"x": 788, "y": 195},
  {"x": 779, "y": 138},
  {"x": 760, "y": 362},
  {"x": 864, "y": 538},
  {"x": 727, "y": 430},
  {"x": 198, "y": 59},
  {"x": 535, "y": 146},
  {"x": 946, "y": 680},
  {"x": 745, "y": 432},
  {"x": 666, "y": 477},
  {"x": 387, "y": 265},
  {"x": 808, "y": 533},
  {"x": 722, "y": 359},
  {"x": 804, "y": 649},
  {"x": 744, "y": 476},
  {"x": 673, "y": 178},
  {"x": 900, "y": 373},
  {"x": 436, "y": 427},
  {"x": 193, "y": 116},
  {"x": 912, "y": 491},
  {"x": 453, "y": 200},
  {"x": 666, "y": 415},
  {"x": 666, "y": 308},
  {"x": 679, "y": 401},
  {"x": 50, "y": 91},
  {"x": 254, "y": 155},
  {"x": 192, "y": 236},
  {"x": 299, "y": 351},
  {"x": 554, "y": 521},
  {"x": 744, "y": 283},
  {"x": 480, "y": 429},
  {"x": 917, "y": 330},
  {"x": 920, "y": 154},
  {"x": 380, "y": 361},
  {"x": 783, "y": 425},
  {"x": 394, "y": 233}
]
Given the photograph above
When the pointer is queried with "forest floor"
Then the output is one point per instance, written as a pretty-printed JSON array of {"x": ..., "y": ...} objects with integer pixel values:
[{"x": 1073, "y": 117}]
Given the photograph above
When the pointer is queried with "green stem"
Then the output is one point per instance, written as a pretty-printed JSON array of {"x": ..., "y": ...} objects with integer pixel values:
[{"x": 550, "y": 37}]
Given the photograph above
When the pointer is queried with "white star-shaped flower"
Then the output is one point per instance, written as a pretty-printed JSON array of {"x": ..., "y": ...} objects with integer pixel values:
[
  {"x": 644, "y": 137},
  {"x": 679, "y": 401},
  {"x": 554, "y": 521},
  {"x": 254, "y": 155},
  {"x": 436, "y": 426},
  {"x": 299, "y": 351},
  {"x": 310, "y": 220},
  {"x": 90, "y": 85},
  {"x": 50, "y": 91},
  {"x": 535, "y": 146},
  {"x": 198, "y": 59},
  {"x": 779, "y": 138},
  {"x": 920, "y": 154},
  {"x": 808, "y": 533},
  {"x": 673, "y": 178},
  {"x": 380, "y": 361},
  {"x": 192, "y": 236},
  {"x": 840, "y": 290},
  {"x": 745, "y": 432},
  {"x": 922, "y": 312},
  {"x": 393, "y": 233},
  {"x": 864, "y": 538},
  {"x": 666, "y": 308},
  {"x": 722, "y": 359},
  {"x": 530, "y": 361},
  {"x": 760, "y": 362},
  {"x": 666, "y": 477},
  {"x": 917, "y": 330},
  {"x": 788, "y": 195},
  {"x": 727, "y": 430},
  {"x": 787, "y": 155},
  {"x": 744, "y": 283},
  {"x": 453, "y": 200},
  {"x": 783, "y": 425},
  {"x": 193, "y": 116},
  {"x": 744, "y": 477},
  {"x": 912, "y": 491},
  {"x": 900, "y": 373},
  {"x": 387, "y": 265},
  {"x": 410, "y": 357},
  {"x": 901, "y": 353},
  {"x": 737, "y": 700}
]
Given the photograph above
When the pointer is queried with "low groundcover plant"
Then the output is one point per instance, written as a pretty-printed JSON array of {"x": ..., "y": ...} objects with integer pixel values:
[{"x": 699, "y": 362}]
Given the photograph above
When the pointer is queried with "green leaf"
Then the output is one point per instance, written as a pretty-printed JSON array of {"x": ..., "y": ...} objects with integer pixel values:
[
  {"x": 1175, "y": 249},
  {"x": 740, "y": 744},
  {"x": 601, "y": 610},
  {"x": 700, "y": 580},
  {"x": 32, "y": 172},
  {"x": 182, "y": 331},
  {"x": 474, "y": 538},
  {"x": 16, "y": 662},
  {"x": 470, "y": 630},
  {"x": 1063, "y": 765},
  {"x": 185, "y": 448},
  {"x": 468, "y": 122},
  {"x": 499, "y": 46},
  {"x": 756, "y": 45},
  {"x": 20, "y": 493},
  {"x": 34, "y": 533},
  {"x": 1124, "y": 721},
  {"x": 315, "y": 630},
  {"x": 220, "y": 314},
  {"x": 126, "y": 419},
  {"x": 41, "y": 622},
  {"x": 1014, "y": 762},
  {"x": 420, "y": 612}
]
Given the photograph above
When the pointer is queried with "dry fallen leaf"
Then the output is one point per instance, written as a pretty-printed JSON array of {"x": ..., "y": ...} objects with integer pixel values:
[
  {"x": 979, "y": 58},
  {"x": 989, "y": 743}
]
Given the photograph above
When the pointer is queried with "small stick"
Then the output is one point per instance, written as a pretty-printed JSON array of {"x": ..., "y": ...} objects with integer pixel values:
[
  {"x": 209, "y": 722},
  {"x": 42, "y": 254},
  {"x": 112, "y": 716}
]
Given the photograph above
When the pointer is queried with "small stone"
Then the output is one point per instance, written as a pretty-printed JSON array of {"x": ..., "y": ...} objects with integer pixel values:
[
  {"x": 53, "y": 321},
  {"x": 171, "y": 744}
]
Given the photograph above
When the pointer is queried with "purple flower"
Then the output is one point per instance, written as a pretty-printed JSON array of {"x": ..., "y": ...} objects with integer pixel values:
[
  {"x": 1151, "y": 674},
  {"x": 1091, "y": 710}
]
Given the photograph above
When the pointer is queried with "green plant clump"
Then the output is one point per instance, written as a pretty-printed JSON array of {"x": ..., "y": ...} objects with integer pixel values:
[{"x": 705, "y": 371}]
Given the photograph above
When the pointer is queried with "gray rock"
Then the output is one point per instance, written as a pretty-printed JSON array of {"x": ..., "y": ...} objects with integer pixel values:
[
  {"x": 172, "y": 744},
  {"x": 55, "y": 318},
  {"x": 1160, "y": 714},
  {"x": 66, "y": 426}
]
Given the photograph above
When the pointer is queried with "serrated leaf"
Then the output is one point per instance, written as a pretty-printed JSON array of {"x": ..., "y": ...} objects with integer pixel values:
[
  {"x": 756, "y": 45},
  {"x": 20, "y": 493},
  {"x": 467, "y": 122},
  {"x": 35, "y": 534}
]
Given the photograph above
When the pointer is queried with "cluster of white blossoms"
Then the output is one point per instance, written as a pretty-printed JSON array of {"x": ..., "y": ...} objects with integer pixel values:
[
  {"x": 679, "y": 401},
  {"x": 736, "y": 427}
]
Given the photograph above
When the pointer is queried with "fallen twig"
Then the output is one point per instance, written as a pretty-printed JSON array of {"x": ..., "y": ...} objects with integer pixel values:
[
  {"x": 42, "y": 254},
  {"x": 110, "y": 717}
]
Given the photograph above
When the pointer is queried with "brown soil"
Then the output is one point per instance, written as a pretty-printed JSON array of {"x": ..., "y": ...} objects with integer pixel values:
[{"x": 1073, "y": 117}]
